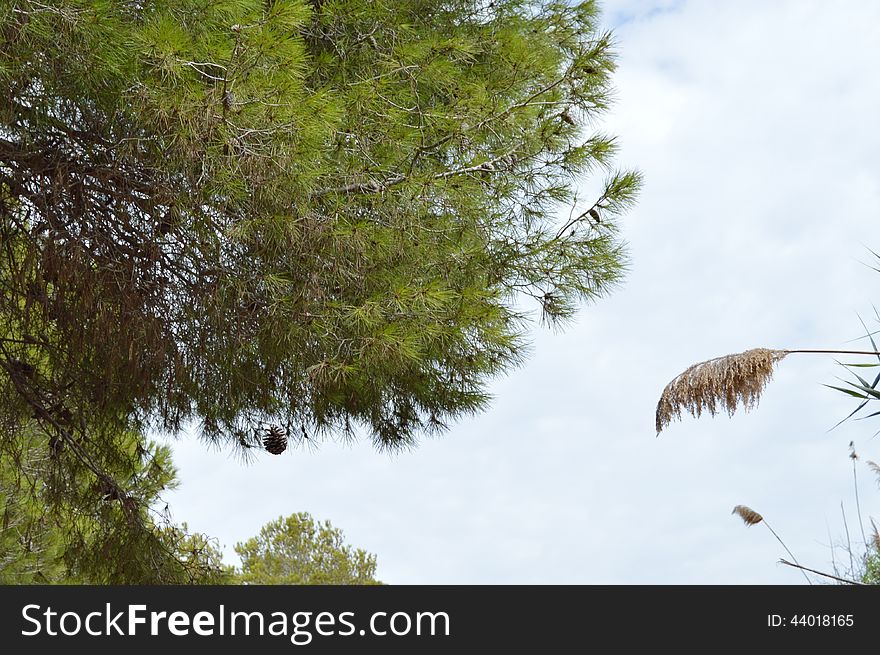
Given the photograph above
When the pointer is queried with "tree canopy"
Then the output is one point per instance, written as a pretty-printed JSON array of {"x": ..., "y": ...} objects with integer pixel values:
[
  {"x": 299, "y": 550},
  {"x": 320, "y": 216}
]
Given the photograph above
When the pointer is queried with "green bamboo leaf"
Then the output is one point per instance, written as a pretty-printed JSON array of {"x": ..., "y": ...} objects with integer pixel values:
[
  {"x": 855, "y": 411},
  {"x": 870, "y": 334},
  {"x": 868, "y": 390},
  {"x": 862, "y": 380},
  {"x": 849, "y": 392}
]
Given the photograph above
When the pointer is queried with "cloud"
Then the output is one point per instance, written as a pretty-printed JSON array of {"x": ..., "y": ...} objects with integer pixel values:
[{"x": 754, "y": 124}]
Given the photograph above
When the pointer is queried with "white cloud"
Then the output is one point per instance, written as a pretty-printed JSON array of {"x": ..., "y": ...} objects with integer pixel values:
[{"x": 754, "y": 124}]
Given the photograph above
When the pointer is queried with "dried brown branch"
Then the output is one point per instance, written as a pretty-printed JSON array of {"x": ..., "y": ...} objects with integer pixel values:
[{"x": 824, "y": 575}]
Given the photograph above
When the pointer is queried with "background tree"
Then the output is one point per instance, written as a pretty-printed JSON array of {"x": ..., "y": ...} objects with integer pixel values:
[
  {"x": 300, "y": 550},
  {"x": 318, "y": 215}
]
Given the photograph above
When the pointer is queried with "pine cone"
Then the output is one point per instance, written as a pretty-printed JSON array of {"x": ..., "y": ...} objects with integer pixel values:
[{"x": 276, "y": 441}]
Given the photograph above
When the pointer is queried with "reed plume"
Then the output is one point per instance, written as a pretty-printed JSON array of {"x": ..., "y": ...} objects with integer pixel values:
[
  {"x": 750, "y": 517},
  {"x": 719, "y": 383},
  {"x": 732, "y": 380},
  {"x": 747, "y": 514}
]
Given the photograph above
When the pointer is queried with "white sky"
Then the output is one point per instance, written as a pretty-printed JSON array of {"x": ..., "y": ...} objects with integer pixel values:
[{"x": 755, "y": 125}]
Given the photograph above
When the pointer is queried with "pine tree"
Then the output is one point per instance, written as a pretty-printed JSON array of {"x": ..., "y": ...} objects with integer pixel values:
[
  {"x": 62, "y": 526},
  {"x": 319, "y": 215},
  {"x": 300, "y": 550}
]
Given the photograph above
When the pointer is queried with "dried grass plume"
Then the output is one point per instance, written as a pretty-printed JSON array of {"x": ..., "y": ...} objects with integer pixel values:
[
  {"x": 747, "y": 514},
  {"x": 875, "y": 469},
  {"x": 723, "y": 382}
]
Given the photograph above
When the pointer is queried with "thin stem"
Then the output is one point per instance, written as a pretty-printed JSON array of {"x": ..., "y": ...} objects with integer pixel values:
[
  {"x": 852, "y": 566},
  {"x": 858, "y": 505},
  {"x": 810, "y": 582},
  {"x": 831, "y": 546},
  {"x": 824, "y": 575},
  {"x": 832, "y": 351}
]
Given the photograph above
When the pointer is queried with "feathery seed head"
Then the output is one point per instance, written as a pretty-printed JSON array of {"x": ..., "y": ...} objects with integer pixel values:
[
  {"x": 723, "y": 382},
  {"x": 747, "y": 514}
]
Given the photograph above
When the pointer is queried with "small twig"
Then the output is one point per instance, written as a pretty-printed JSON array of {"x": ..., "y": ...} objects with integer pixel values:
[{"x": 824, "y": 575}]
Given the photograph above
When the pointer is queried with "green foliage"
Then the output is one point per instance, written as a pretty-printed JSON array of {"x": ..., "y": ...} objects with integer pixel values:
[
  {"x": 300, "y": 550},
  {"x": 872, "y": 568},
  {"x": 61, "y": 529},
  {"x": 322, "y": 215},
  {"x": 30, "y": 551},
  {"x": 317, "y": 214}
]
